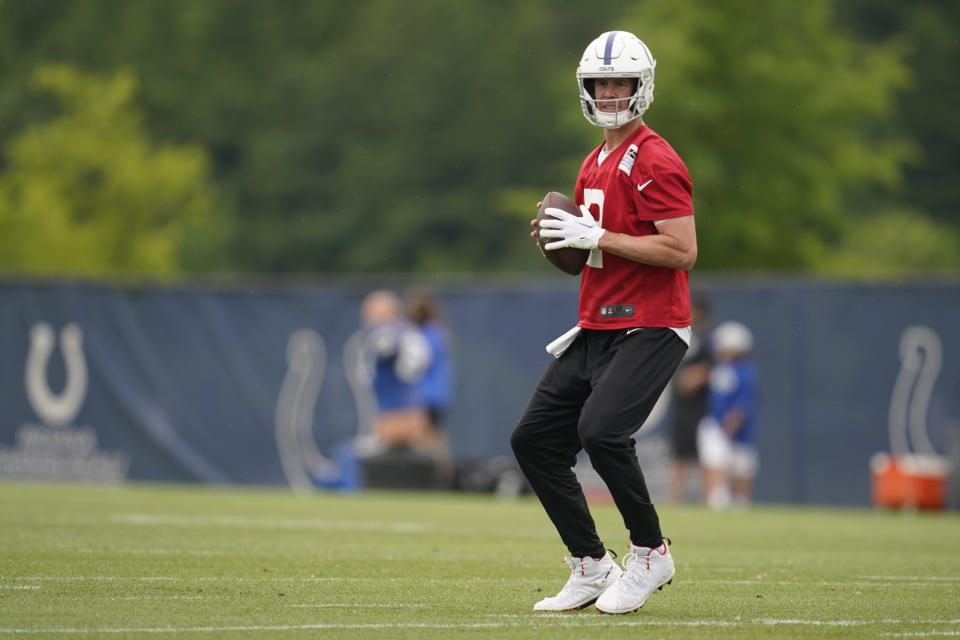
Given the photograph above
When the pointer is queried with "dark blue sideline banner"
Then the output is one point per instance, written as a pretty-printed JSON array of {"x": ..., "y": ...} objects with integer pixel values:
[{"x": 254, "y": 385}]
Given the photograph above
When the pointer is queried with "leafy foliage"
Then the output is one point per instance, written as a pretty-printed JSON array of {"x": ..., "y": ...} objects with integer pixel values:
[
  {"x": 379, "y": 136},
  {"x": 778, "y": 134},
  {"x": 927, "y": 107},
  {"x": 87, "y": 193}
]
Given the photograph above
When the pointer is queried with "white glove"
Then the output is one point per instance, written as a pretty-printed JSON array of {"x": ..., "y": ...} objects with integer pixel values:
[{"x": 580, "y": 233}]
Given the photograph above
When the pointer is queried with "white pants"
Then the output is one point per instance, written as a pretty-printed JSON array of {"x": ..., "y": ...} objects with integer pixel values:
[{"x": 718, "y": 451}]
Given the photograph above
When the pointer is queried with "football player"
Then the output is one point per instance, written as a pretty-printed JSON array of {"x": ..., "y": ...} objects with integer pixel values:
[
  {"x": 726, "y": 437},
  {"x": 637, "y": 221}
]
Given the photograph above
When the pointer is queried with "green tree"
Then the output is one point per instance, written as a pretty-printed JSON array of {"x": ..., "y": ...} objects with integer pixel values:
[
  {"x": 87, "y": 193},
  {"x": 366, "y": 136},
  {"x": 780, "y": 117},
  {"x": 378, "y": 136},
  {"x": 893, "y": 243},
  {"x": 927, "y": 108}
]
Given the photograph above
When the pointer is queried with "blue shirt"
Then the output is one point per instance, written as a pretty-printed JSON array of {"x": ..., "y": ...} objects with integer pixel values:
[
  {"x": 397, "y": 354},
  {"x": 436, "y": 385},
  {"x": 733, "y": 385}
]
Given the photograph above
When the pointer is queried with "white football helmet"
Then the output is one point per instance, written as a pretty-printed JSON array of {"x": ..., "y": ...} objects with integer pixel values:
[
  {"x": 616, "y": 54},
  {"x": 732, "y": 337}
]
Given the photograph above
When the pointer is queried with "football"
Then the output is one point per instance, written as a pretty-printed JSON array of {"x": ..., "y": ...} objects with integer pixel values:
[{"x": 568, "y": 260}]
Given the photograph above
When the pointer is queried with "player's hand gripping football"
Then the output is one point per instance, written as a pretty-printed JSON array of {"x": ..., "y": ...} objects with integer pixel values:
[{"x": 577, "y": 232}]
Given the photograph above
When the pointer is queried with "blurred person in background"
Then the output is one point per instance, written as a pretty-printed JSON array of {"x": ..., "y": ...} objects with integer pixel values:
[
  {"x": 394, "y": 355},
  {"x": 726, "y": 436},
  {"x": 637, "y": 221},
  {"x": 689, "y": 404},
  {"x": 435, "y": 386}
]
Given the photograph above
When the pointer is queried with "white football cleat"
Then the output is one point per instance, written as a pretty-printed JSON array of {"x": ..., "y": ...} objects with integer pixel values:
[
  {"x": 644, "y": 571},
  {"x": 588, "y": 579}
]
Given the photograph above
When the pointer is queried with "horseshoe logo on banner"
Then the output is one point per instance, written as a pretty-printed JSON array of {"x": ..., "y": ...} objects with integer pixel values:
[
  {"x": 306, "y": 366},
  {"x": 56, "y": 410},
  {"x": 921, "y": 356}
]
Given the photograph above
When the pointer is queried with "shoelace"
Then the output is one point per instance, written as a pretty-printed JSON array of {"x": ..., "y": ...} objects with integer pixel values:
[
  {"x": 575, "y": 564},
  {"x": 640, "y": 571},
  {"x": 576, "y": 569},
  {"x": 633, "y": 557}
]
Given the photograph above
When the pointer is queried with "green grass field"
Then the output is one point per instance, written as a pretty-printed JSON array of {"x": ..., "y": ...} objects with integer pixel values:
[{"x": 152, "y": 561}]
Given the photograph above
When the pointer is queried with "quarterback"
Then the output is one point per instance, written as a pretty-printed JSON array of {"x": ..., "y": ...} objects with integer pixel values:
[{"x": 637, "y": 221}]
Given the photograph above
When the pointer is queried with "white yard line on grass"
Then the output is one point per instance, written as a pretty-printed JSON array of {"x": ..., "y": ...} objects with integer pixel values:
[
  {"x": 155, "y": 597},
  {"x": 916, "y": 582},
  {"x": 19, "y": 586},
  {"x": 308, "y": 524},
  {"x": 768, "y": 622},
  {"x": 249, "y": 579},
  {"x": 146, "y": 551},
  {"x": 258, "y": 628},
  {"x": 921, "y": 634},
  {"x": 567, "y": 620},
  {"x": 354, "y": 605},
  {"x": 915, "y": 578},
  {"x": 227, "y": 520},
  {"x": 255, "y": 628},
  {"x": 849, "y": 623}
]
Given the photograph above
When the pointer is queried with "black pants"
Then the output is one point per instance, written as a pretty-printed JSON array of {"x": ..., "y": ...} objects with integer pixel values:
[{"x": 595, "y": 397}]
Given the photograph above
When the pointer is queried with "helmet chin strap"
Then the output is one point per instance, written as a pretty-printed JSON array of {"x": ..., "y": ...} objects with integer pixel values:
[
  {"x": 611, "y": 119},
  {"x": 614, "y": 119}
]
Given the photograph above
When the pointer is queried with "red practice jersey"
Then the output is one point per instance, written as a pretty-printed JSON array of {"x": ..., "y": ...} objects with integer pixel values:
[{"x": 643, "y": 180}]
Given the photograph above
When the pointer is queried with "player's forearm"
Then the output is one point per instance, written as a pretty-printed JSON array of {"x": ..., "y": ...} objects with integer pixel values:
[
  {"x": 658, "y": 250},
  {"x": 733, "y": 421}
]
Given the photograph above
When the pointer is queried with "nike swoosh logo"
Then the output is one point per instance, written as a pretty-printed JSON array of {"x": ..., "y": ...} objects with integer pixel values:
[
  {"x": 641, "y": 187},
  {"x": 634, "y": 330}
]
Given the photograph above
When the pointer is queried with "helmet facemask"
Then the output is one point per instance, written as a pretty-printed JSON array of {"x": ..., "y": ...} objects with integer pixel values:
[{"x": 593, "y": 109}]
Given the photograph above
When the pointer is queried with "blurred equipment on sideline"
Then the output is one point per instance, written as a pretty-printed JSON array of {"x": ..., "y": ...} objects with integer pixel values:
[{"x": 913, "y": 475}]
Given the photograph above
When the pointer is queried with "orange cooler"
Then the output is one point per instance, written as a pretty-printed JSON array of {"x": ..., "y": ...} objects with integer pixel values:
[{"x": 909, "y": 481}]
